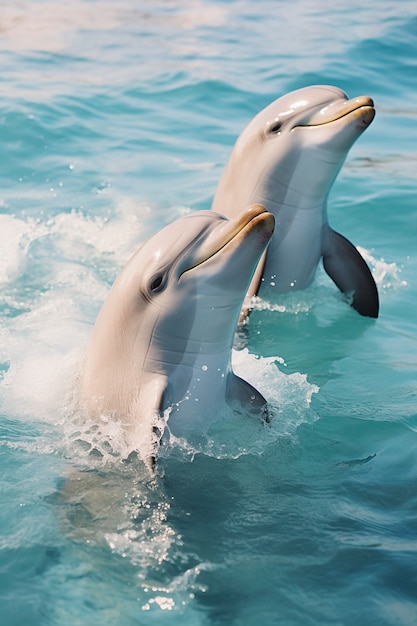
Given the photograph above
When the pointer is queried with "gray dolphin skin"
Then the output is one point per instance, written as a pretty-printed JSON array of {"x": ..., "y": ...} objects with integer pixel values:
[
  {"x": 287, "y": 159},
  {"x": 164, "y": 336}
]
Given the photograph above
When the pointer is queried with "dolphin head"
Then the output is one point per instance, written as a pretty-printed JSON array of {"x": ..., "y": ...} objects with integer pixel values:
[
  {"x": 192, "y": 279},
  {"x": 291, "y": 152},
  {"x": 177, "y": 300}
]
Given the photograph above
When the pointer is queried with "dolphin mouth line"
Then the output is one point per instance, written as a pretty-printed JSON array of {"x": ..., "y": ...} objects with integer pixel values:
[
  {"x": 245, "y": 220},
  {"x": 362, "y": 103}
]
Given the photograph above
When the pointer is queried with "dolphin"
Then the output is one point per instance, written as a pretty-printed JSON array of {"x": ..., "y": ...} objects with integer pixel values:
[
  {"x": 163, "y": 338},
  {"x": 287, "y": 159}
]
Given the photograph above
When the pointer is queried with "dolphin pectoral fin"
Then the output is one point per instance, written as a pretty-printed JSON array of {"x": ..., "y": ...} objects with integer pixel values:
[
  {"x": 349, "y": 271},
  {"x": 242, "y": 391}
]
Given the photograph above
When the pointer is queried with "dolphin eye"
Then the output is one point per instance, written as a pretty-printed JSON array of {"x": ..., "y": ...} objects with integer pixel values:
[
  {"x": 274, "y": 127},
  {"x": 157, "y": 283}
]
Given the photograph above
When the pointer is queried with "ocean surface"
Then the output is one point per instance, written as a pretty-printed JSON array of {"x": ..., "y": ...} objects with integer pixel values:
[{"x": 117, "y": 118}]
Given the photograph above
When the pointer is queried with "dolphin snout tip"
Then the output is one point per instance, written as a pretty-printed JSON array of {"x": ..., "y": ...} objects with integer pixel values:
[
  {"x": 257, "y": 217},
  {"x": 266, "y": 225},
  {"x": 367, "y": 116}
]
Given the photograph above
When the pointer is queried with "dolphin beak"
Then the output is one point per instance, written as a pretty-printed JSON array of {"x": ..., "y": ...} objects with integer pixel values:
[
  {"x": 255, "y": 218},
  {"x": 361, "y": 108}
]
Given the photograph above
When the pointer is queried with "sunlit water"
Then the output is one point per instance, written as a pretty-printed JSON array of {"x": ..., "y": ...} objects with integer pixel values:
[{"x": 117, "y": 118}]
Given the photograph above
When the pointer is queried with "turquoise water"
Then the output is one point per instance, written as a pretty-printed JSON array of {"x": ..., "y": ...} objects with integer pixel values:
[{"x": 115, "y": 119}]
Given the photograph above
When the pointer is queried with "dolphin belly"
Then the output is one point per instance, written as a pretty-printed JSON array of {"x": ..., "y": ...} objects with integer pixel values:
[{"x": 291, "y": 264}]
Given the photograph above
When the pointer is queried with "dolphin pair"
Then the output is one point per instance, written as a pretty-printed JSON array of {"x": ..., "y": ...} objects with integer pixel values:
[
  {"x": 287, "y": 159},
  {"x": 163, "y": 338}
]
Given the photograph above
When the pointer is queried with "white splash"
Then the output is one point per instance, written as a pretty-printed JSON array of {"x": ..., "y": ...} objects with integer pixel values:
[
  {"x": 49, "y": 279},
  {"x": 13, "y": 248},
  {"x": 387, "y": 275}
]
